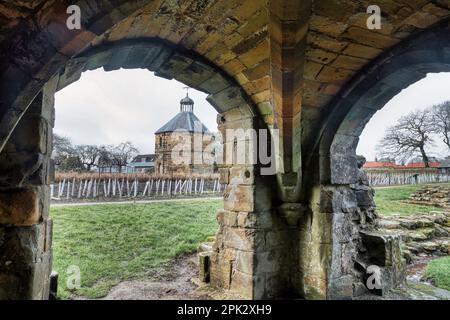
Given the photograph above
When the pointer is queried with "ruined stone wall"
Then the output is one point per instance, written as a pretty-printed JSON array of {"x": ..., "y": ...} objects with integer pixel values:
[
  {"x": 25, "y": 227},
  {"x": 291, "y": 59},
  {"x": 355, "y": 244}
]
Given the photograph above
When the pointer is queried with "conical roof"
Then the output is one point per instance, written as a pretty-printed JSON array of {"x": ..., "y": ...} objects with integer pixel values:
[
  {"x": 184, "y": 121},
  {"x": 186, "y": 100}
]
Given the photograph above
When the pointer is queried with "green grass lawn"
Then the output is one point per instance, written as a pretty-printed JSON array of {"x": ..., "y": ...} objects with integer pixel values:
[
  {"x": 112, "y": 243},
  {"x": 389, "y": 200},
  {"x": 116, "y": 242},
  {"x": 438, "y": 271}
]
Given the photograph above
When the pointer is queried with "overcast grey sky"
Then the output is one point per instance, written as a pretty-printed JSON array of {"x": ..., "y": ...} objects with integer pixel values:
[
  {"x": 123, "y": 105},
  {"x": 130, "y": 105},
  {"x": 433, "y": 89}
]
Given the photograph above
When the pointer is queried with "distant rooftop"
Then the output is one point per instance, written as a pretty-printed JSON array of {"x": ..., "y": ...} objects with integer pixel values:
[
  {"x": 143, "y": 159},
  {"x": 445, "y": 163},
  {"x": 384, "y": 164}
]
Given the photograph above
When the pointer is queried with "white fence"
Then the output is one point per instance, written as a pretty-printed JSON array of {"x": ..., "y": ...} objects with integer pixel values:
[
  {"x": 385, "y": 178},
  {"x": 73, "y": 189}
]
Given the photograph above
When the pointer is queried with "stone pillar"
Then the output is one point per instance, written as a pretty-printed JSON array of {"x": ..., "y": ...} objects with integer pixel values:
[
  {"x": 247, "y": 254},
  {"x": 25, "y": 228}
]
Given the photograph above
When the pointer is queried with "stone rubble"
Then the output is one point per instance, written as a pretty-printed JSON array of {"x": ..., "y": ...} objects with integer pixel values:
[
  {"x": 422, "y": 235},
  {"x": 437, "y": 196}
]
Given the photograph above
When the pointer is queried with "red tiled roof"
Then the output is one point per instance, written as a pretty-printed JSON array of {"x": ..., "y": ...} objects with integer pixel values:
[
  {"x": 379, "y": 164},
  {"x": 422, "y": 165}
]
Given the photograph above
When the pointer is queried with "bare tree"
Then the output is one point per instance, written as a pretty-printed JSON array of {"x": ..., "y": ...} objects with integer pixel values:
[
  {"x": 409, "y": 137},
  {"x": 106, "y": 158},
  {"x": 62, "y": 149},
  {"x": 88, "y": 155},
  {"x": 441, "y": 121},
  {"x": 123, "y": 154}
]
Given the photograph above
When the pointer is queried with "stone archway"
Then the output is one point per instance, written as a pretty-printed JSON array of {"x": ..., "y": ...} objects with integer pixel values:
[
  {"x": 25, "y": 191},
  {"x": 338, "y": 192},
  {"x": 295, "y": 60}
]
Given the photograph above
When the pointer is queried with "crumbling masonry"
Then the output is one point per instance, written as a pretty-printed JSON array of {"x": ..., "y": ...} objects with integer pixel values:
[{"x": 310, "y": 69}]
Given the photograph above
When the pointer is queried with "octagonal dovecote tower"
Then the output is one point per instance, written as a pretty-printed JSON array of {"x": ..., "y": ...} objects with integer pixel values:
[{"x": 180, "y": 144}]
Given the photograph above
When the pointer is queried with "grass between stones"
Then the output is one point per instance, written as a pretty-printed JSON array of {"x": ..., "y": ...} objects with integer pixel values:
[
  {"x": 438, "y": 271},
  {"x": 113, "y": 243},
  {"x": 390, "y": 200}
]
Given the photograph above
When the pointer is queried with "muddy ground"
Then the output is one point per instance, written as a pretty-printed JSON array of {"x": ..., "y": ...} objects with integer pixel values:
[{"x": 173, "y": 282}]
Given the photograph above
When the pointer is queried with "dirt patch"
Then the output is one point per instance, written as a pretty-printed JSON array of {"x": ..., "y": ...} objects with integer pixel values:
[
  {"x": 416, "y": 270},
  {"x": 172, "y": 282}
]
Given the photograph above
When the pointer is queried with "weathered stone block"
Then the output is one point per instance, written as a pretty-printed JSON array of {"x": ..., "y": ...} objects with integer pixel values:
[
  {"x": 243, "y": 239},
  {"x": 24, "y": 264},
  {"x": 41, "y": 277},
  {"x": 318, "y": 227},
  {"x": 215, "y": 84},
  {"x": 19, "y": 207},
  {"x": 227, "y": 218},
  {"x": 118, "y": 58},
  {"x": 242, "y": 284},
  {"x": 220, "y": 271},
  {"x": 240, "y": 129},
  {"x": 224, "y": 175},
  {"x": 370, "y": 38},
  {"x": 31, "y": 134},
  {"x": 359, "y": 289},
  {"x": 358, "y": 50},
  {"x": 239, "y": 198},
  {"x": 343, "y": 227},
  {"x": 338, "y": 199},
  {"x": 335, "y": 271},
  {"x": 348, "y": 62},
  {"x": 239, "y": 114},
  {"x": 315, "y": 288},
  {"x": 227, "y": 99},
  {"x": 72, "y": 72},
  {"x": 344, "y": 169},
  {"x": 256, "y": 220},
  {"x": 21, "y": 163},
  {"x": 195, "y": 74},
  {"x": 137, "y": 54},
  {"x": 263, "y": 194},
  {"x": 382, "y": 249},
  {"x": 341, "y": 288},
  {"x": 268, "y": 262},
  {"x": 242, "y": 175},
  {"x": 97, "y": 60},
  {"x": 174, "y": 65},
  {"x": 356, "y": 120}
]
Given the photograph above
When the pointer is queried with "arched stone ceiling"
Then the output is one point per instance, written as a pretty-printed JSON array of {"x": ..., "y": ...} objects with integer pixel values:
[
  {"x": 234, "y": 35},
  {"x": 340, "y": 44},
  {"x": 231, "y": 34},
  {"x": 238, "y": 36}
]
